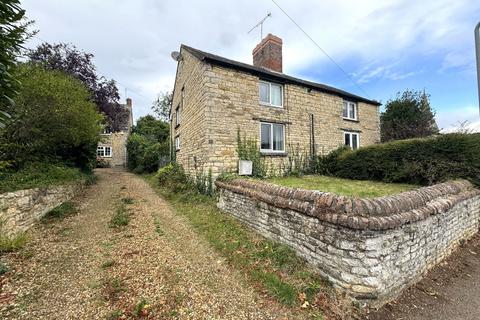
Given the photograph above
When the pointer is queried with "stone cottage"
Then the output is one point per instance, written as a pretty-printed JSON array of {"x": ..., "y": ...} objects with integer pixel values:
[
  {"x": 214, "y": 97},
  {"x": 112, "y": 148}
]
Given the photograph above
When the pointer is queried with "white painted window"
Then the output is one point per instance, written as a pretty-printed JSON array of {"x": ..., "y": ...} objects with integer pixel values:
[
  {"x": 104, "y": 151},
  {"x": 272, "y": 137},
  {"x": 177, "y": 143},
  {"x": 271, "y": 93},
  {"x": 350, "y": 111},
  {"x": 352, "y": 139}
]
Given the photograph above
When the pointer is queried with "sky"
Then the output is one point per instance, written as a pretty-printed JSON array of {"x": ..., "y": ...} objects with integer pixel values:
[{"x": 381, "y": 46}]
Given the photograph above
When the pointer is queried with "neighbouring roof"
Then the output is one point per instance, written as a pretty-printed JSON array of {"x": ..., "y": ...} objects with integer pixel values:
[{"x": 275, "y": 76}]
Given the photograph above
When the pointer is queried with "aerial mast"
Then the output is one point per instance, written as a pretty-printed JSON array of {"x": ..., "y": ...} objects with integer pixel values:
[{"x": 260, "y": 23}]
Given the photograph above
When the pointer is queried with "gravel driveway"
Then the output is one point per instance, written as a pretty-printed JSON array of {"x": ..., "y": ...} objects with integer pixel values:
[{"x": 156, "y": 267}]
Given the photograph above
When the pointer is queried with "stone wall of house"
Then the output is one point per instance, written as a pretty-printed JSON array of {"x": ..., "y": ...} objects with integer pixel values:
[
  {"x": 19, "y": 210},
  {"x": 371, "y": 248},
  {"x": 192, "y": 129},
  {"x": 233, "y": 103},
  {"x": 118, "y": 142}
]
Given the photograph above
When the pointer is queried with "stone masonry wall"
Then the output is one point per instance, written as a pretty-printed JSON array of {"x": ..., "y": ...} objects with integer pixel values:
[
  {"x": 233, "y": 103},
  {"x": 118, "y": 142},
  {"x": 371, "y": 248},
  {"x": 192, "y": 129},
  {"x": 19, "y": 210},
  {"x": 218, "y": 101}
]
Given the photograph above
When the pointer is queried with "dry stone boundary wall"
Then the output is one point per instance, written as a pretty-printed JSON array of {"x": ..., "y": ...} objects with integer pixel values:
[
  {"x": 370, "y": 248},
  {"x": 19, "y": 210}
]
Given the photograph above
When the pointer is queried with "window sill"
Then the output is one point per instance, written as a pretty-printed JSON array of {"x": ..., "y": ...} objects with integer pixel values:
[
  {"x": 264, "y": 104},
  {"x": 351, "y": 120},
  {"x": 273, "y": 154}
]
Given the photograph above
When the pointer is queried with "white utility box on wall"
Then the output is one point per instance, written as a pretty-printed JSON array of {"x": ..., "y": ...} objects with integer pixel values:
[{"x": 244, "y": 168}]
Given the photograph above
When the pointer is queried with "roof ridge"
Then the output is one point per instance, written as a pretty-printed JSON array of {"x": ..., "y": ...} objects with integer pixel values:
[{"x": 203, "y": 55}]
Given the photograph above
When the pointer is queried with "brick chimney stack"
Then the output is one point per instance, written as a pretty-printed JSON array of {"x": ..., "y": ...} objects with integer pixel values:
[
  {"x": 130, "y": 117},
  {"x": 268, "y": 53}
]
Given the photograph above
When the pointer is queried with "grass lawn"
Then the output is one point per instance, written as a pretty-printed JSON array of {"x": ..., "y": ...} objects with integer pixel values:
[
  {"x": 271, "y": 267},
  {"x": 346, "y": 187}
]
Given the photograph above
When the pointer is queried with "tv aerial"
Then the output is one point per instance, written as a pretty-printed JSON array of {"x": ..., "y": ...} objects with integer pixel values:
[{"x": 260, "y": 24}]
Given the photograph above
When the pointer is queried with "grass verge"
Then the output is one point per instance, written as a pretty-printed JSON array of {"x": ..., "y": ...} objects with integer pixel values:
[
  {"x": 271, "y": 267},
  {"x": 38, "y": 175},
  {"x": 60, "y": 212},
  {"x": 346, "y": 187}
]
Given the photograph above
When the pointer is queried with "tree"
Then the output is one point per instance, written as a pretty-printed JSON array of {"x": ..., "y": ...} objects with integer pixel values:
[
  {"x": 148, "y": 145},
  {"x": 151, "y": 128},
  {"x": 163, "y": 105},
  {"x": 13, "y": 33},
  {"x": 407, "y": 116},
  {"x": 69, "y": 59},
  {"x": 54, "y": 120}
]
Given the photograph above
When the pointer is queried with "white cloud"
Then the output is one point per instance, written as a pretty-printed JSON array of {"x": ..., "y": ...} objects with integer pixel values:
[
  {"x": 452, "y": 120},
  {"x": 391, "y": 72},
  {"x": 132, "y": 40}
]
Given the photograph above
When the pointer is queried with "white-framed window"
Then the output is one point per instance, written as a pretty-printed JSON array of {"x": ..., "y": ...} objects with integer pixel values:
[
  {"x": 272, "y": 137},
  {"x": 352, "y": 139},
  {"x": 104, "y": 151},
  {"x": 350, "y": 111},
  {"x": 270, "y": 93},
  {"x": 177, "y": 143},
  {"x": 107, "y": 131},
  {"x": 178, "y": 115}
]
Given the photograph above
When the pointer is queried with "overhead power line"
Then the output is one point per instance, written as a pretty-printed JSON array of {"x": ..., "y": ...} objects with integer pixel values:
[{"x": 321, "y": 49}]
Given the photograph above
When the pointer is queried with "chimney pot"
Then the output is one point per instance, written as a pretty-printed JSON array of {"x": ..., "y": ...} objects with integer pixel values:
[{"x": 268, "y": 53}]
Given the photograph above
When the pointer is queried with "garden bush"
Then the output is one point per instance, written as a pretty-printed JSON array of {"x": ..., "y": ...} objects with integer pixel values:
[
  {"x": 173, "y": 177},
  {"x": 423, "y": 161},
  {"x": 148, "y": 145},
  {"x": 54, "y": 121}
]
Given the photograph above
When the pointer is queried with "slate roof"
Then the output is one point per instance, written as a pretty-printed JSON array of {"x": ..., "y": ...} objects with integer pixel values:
[{"x": 272, "y": 75}]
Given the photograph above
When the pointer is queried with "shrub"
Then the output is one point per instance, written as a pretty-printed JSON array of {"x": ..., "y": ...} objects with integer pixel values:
[
  {"x": 247, "y": 149},
  {"x": 421, "y": 161},
  {"x": 144, "y": 154},
  {"x": 173, "y": 176},
  {"x": 54, "y": 120}
]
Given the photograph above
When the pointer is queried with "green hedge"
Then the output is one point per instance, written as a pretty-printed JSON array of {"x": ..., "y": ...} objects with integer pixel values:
[{"x": 416, "y": 161}]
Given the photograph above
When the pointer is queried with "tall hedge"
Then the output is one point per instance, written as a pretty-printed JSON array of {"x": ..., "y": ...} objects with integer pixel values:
[{"x": 418, "y": 161}]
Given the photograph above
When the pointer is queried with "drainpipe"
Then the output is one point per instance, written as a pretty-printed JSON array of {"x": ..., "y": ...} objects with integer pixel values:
[{"x": 477, "y": 49}]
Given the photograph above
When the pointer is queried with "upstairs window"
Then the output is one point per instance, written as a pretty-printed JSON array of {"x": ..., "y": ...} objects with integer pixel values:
[
  {"x": 272, "y": 137},
  {"x": 104, "y": 151},
  {"x": 270, "y": 93},
  {"x": 349, "y": 110},
  {"x": 352, "y": 139},
  {"x": 178, "y": 116}
]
